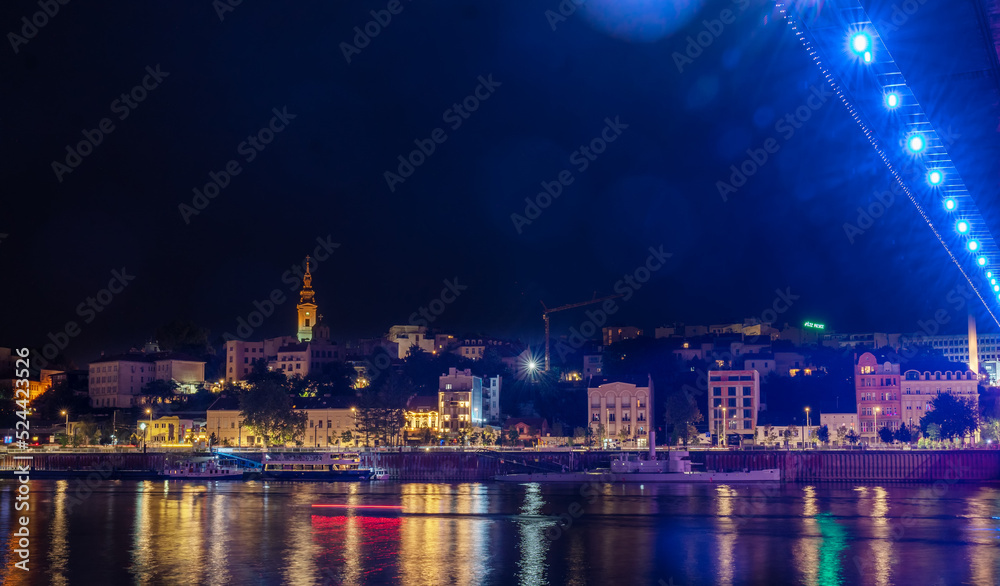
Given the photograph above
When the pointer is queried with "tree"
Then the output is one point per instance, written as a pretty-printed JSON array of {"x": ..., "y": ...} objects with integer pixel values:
[
  {"x": 512, "y": 435},
  {"x": 183, "y": 336},
  {"x": 463, "y": 436},
  {"x": 955, "y": 417},
  {"x": 160, "y": 390},
  {"x": 347, "y": 437},
  {"x": 579, "y": 434},
  {"x": 991, "y": 430},
  {"x": 885, "y": 435},
  {"x": 841, "y": 434},
  {"x": 489, "y": 437},
  {"x": 557, "y": 429},
  {"x": 266, "y": 407},
  {"x": 681, "y": 411},
  {"x": 932, "y": 431},
  {"x": 823, "y": 434},
  {"x": 426, "y": 435},
  {"x": 623, "y": 436},
  {"x": 212, "y": 440},
  {"x": 903, "y": 434},
  {"x": 852, "y": 437},
  {"x": 769, "y": 435},
  {"x": 601, "y": 432},
  {"x": 791, "y": 434}
]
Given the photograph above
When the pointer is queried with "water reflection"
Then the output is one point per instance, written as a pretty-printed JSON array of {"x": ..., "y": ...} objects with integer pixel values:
[
  {"x": 474, "y": 533},
  {"x": 726, "y": 534},
  {"x": 533, "y": 545}
]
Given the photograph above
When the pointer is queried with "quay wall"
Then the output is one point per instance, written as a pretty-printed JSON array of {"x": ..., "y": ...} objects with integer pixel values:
[{"x": 444, "y": 466}]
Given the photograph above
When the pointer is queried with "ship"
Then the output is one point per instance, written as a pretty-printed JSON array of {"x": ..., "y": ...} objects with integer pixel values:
[
  {"x": 206, "y": 467},
  {"x": 677, "y": 467},
  {"x": 317, "y": 466}
]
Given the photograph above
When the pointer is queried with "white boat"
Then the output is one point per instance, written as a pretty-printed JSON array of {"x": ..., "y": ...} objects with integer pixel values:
[
  {"x": 203, "y": 467},
  {"x": 380, "y": 474},
  {"x": 626, "y": 468}
]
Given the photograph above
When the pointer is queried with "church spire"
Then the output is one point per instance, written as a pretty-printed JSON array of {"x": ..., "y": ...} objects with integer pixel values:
[
  {"x": 307, "y": 293},
  {"x": 306, "y": 306}
]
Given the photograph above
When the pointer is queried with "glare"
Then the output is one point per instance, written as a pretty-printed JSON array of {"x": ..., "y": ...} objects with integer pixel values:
[
  {"x": 992, "y": 281},
  {"x": 860, "y": 43},
  {"x": 891, "y": 100},
  {"x": 974, "y": 246},
  {"x": 916, "y": 143},
  {"x": 532, "y": 365},
  {"x": 868, "y": 56},
  {"x": 935, "y": 177},
  {"x": 962, "y": 226},
  {"x": 981, "y": 261},
  {"x": 949, "y": 204}
]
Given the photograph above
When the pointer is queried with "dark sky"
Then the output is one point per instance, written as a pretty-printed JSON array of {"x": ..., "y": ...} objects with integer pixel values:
[{"x": 322, "y": 176}]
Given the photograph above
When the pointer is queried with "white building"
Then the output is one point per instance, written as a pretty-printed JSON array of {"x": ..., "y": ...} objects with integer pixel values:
[
  {"x": 491, "y": 399},
  {"x": 407, "y": 336},
  {"x": 619, "y": 406}
]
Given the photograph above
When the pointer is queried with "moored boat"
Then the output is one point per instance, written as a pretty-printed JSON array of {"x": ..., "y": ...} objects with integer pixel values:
[
  {"x": 675, "y": 468},
  {"x": 207, "y": 467},
  {"x": 315, "y": 466}
]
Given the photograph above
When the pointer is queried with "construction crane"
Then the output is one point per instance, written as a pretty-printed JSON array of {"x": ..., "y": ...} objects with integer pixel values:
[{"x": 547, "y": 311}]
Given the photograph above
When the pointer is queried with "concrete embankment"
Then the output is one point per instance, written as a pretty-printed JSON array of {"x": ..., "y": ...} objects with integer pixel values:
[{"x": 447, "y": 466}]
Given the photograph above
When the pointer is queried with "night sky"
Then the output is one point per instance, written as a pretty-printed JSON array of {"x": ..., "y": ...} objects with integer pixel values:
[{"x": 323, "y": 175}]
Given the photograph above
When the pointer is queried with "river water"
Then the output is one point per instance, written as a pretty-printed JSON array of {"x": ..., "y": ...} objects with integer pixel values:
[{"x": 234, "y": 533}]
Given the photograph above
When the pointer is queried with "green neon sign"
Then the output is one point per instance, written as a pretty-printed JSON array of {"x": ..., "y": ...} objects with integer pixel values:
[{"x": 814, "y": 325}]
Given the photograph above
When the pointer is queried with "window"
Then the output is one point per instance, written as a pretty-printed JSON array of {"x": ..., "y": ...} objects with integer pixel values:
[
  {"x": 732, "y": 403},
  {"x": 731, "y": 391},
  {"x": 717, "y": 391},
  {"x": 746, "y": 391}
]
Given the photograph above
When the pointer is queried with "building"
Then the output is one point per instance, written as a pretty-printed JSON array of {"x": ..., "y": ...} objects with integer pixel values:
[
  {"x": 491, "y": 399},
  {"x": 528, "y": 428},
  {"x": 665, "y": 332},
  {"x": 408, "y": 336},
  {"x": 166, "y": 430},
  {"x": 460, "y": 400},
  {"x": 870, "y": 341},
  {"x": 326, "y": 422},
  {"x": 877, "y": 391},
  {"x": 920, "y": 387},
  {"x": 619, "y": 406},
  {"x": 617, "y": 334},
  {"x": 733, "y": 402},
  {"x": 764, "y": 364},
  {"x": 834, "y": 421},
  {"x": 117, "y": 381},
  {"x": 593, "y": 365},
  {"x": 956, "y": 349},
  {"x": 725, "y": 329},
  {"x": 307, "y": 351},
  {"x": 422, "y": 413}
]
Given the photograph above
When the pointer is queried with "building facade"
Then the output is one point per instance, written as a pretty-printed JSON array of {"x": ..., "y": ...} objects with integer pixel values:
[
  {"x": 733, "y": 402},
  {"x": 611, "y": 335},
  {"x": 918, "y": 389},
  {"x": 460, "y": 400},
  {"x": 619, "y": 406},
  {"x": 877, "y": 391},
  {"x": 117, "y": 382}
]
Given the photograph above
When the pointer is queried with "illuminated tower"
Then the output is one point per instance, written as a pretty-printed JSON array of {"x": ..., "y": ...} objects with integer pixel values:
[{"x": 307, "y": 307}]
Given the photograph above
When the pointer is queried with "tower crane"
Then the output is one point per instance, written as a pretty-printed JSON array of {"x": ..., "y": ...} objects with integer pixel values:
[{"x": 546, "y": 311}]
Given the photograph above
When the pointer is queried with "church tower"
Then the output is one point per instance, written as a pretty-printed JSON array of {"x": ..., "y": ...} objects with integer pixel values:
[{"x": 307, "y": 307}]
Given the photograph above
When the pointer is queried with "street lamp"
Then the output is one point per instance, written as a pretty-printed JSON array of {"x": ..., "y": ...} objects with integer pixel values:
[
  {"x": 877, "y": 409},
  {"x": 142, "y": 426},
  {"x": 66, "y": 413},
  {"x": 722, "y": 431},
  {"x": 150, "y": 413},
  {"x": 807, "y": 427}
]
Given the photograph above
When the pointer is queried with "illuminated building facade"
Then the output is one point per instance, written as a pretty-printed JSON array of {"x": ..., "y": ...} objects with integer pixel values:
[
  {"x": 877, "y": 391},
  {"x": 460, "y": 400},
  {"x": 733, "y": 402},
  {"x": 619, "y": 406}
]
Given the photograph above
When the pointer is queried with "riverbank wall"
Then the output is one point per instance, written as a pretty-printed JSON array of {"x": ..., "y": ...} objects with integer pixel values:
[{"x": 479, "y": 465}]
